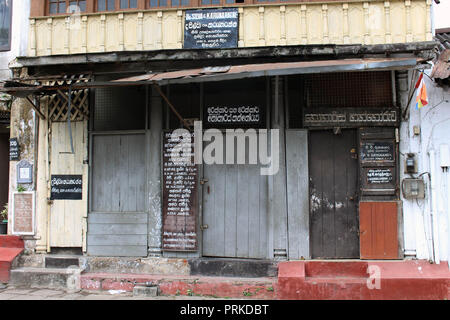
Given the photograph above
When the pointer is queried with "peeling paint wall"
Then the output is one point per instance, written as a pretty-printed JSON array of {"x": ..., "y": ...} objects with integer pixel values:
[
  {"x": 427, "y": 230},
  {"x": 23, "y": 121}
]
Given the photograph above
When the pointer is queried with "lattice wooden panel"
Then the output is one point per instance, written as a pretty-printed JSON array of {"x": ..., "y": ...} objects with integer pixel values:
[{"x": 58, "y": 103}]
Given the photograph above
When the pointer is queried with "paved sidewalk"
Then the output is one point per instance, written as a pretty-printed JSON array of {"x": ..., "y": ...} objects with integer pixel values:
[{"x": 12, "y": 293}]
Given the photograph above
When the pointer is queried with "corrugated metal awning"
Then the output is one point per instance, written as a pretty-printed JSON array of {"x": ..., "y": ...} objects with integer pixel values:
[
  {"x": 273, "y": 69},
  {"x": 223, "y": 73}
]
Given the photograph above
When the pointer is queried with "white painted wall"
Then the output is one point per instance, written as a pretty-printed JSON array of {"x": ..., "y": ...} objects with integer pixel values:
[
  {"x": 19, "y": 36},
  {"x": 441, "y": 13},
  {"x": 434, "y": 122}
]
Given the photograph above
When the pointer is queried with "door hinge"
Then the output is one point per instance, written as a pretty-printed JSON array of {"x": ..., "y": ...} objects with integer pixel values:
[{"x": 203, "y": 227}]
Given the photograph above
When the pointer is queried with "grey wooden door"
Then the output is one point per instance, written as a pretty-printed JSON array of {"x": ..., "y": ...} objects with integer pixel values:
[
  {"x": 235, "y": 211},
  {"x": 333, "y": 171},
  {"x": 117, "y": 222}
]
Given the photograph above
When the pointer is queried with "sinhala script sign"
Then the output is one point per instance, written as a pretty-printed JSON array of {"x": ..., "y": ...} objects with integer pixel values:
[{"x": 212, "y": 28}]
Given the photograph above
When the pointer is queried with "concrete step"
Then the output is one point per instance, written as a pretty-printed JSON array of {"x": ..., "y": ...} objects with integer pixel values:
[
  {"x": 219, "y": 267},
  {"x": 223, "y": 287},
  {"x": 348, "y": 269},
  {"x": 51, "y": 261},
  {"x": 48, "y": 278}
]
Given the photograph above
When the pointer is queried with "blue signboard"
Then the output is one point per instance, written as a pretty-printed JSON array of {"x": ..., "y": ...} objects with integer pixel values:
[{"x": 211, "y": 28}]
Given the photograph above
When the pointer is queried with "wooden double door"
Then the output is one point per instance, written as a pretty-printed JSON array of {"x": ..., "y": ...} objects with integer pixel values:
[{"x": 334, "y": 185}]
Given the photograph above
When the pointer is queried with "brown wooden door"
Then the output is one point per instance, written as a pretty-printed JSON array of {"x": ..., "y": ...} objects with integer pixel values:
[
  {"x": 379, "y": 230},
  {"x": 333, "y": 172}
]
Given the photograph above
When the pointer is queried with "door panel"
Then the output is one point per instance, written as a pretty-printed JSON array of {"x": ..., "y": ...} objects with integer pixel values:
[
  {"x": 379, "y": 230},
  {"x": 118, "y": 219},
  {"x": 235, "y": 211},
  {"x": 67, "y": 216},
  {"x": 333, "y": 169}
]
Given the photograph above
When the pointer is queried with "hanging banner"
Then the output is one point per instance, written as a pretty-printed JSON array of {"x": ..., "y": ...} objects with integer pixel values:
[{"x": 211, "y": 28}]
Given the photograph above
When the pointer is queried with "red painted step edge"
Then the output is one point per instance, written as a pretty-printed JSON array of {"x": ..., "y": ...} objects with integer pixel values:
[
  {"x": 10, "y": 248},
  {"x": 11, "y": 242},
  {"x": 398, "y": 280},
  {"x": 7, "y": 255}
]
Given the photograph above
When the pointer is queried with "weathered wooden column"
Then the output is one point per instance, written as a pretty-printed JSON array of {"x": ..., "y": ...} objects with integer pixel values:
[
  {"x": 22, "y": 126},
  {"x": 277, "y": 182},
  {"x": 154, "y": 173}
]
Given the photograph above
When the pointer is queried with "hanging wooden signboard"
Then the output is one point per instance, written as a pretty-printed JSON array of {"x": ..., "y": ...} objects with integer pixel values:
[
  {"x": 211, "y": 28},
  {"x": 179, "y": 199},
  {"x": 23, "y": 210}
]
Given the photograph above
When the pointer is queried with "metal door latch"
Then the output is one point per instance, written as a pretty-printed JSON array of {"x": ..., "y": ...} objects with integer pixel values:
[
  {"x": 203, "y": 227},
  {"x": 203, "y": 181}
]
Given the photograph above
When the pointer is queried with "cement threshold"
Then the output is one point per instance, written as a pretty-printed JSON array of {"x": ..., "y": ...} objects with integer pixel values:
[{"x": 225, "y": 287}]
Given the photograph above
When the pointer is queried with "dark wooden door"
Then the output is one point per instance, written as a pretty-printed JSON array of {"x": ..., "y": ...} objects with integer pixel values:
[{"x": 333, "y": 172}]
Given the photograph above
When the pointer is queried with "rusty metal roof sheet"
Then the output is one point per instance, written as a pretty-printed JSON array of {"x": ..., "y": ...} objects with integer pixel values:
[
  {"x": 441, "y": 69},
  {"x": 229, "y": 73},
  {"x": 272, "y": 69}
]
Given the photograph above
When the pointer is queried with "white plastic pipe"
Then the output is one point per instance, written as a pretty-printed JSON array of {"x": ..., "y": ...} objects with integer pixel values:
[{"x": 433, "y": 211}]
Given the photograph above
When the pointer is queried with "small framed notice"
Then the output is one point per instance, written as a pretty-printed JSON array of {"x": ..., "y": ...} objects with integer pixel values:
[
  {"x": 24, "y": 172},
  {"x": 23, "y": 211}
]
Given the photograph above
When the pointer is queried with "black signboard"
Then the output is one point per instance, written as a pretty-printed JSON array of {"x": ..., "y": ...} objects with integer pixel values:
[
  {"x": 377, "y": 151},
  {"x": 66, "y": 187},
  {"x": 211, "y": 28},
  {"x": 378, "y": 163},
  {"x": 179, "y": 198},
  {"x": 349, "y": 117},
  {"x": 233, "y": 116},
  {"x": 14, "y": 149},
  {"x": 379, "y": 175}
]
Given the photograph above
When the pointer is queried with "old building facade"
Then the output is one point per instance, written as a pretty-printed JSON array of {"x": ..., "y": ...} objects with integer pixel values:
[{"x": 109, "y": 79}]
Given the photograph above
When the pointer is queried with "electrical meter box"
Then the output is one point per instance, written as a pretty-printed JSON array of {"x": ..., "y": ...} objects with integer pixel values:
[{"x": 413, "y": 188}]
